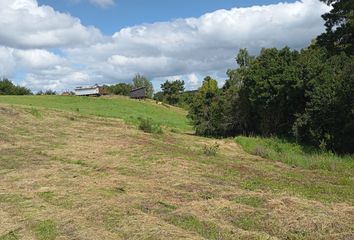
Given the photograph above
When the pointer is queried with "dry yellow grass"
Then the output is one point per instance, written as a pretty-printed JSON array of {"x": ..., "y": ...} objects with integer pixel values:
[{"x": 66, "y": 176}]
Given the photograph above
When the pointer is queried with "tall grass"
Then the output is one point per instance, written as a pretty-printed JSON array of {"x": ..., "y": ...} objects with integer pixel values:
[{"x": 295, "y": 154}]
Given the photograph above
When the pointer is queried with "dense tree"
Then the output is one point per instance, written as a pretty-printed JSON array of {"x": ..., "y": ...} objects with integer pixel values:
[
  {"x": 141, "y": 81},
  {"x": 339, "y": 35},
  {"x": 302, "y": 95},
  {"x": 206, "y": 109},
  {"x": 119, "y": 89},
  {"x": 8, "y": 88},
  {"x": 172, "y": 91}
]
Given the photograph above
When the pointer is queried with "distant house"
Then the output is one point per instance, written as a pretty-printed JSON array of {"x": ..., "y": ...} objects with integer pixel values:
[
  {"x": 138, "y": 93},
  {"x": 89, "y": 91}
]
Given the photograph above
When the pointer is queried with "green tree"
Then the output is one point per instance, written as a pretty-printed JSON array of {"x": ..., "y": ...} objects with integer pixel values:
[
  {"x": 206, "y": 109},
  {"x": 8, "y": 88},
  {"x": 172, "y": 91},
  {"x": 339, "y": 22},
  {"x": 119, "y": 89},
  {"x": 141, "y": 81}
]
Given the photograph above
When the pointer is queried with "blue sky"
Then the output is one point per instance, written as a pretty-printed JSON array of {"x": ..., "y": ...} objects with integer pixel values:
[
  {"x": 133, "y": 12},
  {"x": 62, "y": 44}
]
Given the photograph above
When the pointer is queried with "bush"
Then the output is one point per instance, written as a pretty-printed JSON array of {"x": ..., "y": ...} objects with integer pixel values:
[
  {"x": 149, "y": 126},
  {"x": 211, "y": 150}
]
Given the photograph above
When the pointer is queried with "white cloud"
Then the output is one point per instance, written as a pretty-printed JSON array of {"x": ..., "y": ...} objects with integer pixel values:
[
  {"x": 38, "y": 59},
  {"x": 24, "y": 24},
  {"x": 7, "y": 62},
  {"x": 191, "y": 48},
  {"x": 103, "y": 3}
]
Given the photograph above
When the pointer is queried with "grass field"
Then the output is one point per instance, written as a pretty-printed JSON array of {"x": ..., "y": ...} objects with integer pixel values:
[
  {"x": 73, "y": 175},
  {"x": 115, "y": 107}
]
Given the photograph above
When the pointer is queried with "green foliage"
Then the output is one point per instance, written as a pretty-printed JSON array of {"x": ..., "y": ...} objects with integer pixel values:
[
  {"x": 295, "y": 155},
  {"x": 303, "y": 95},
  {"x": 123, "y": 89},
  {"x": 339, "y": 22},
  {"x": 149, "y": 126},
  {"x": 172, "y": 91},
  {"x": 8, "y": 88},
  {"x": 141, "y": 81},
  {"x": 206, "y": 109}
]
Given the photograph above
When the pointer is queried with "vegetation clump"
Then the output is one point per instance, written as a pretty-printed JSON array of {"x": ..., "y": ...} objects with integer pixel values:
[
  {"x": 149, "y": 126},
  {"x": 295, "y": 155},
  {"x": 211, "y": 150},
  {"x": 8, "y": 88}
]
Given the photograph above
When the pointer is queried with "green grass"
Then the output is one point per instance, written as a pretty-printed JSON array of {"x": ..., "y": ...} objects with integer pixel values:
[
  {"x": 10, "y": 236},
  {"x": 46, "y": 230},
  {"x": 205, "y": 229},
  {"x": 294, "y": 154},
  {"x": 116, "y": 107}
]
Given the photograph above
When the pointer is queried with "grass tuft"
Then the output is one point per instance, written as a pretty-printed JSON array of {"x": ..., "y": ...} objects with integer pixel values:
[
  {"x": 46, "y": 230},
  {"x": 149, "y": 126},
  {"x": 35, "y": 112},
  {"x": 211, "y": 150},
  {"x": 12, "y": 235}
]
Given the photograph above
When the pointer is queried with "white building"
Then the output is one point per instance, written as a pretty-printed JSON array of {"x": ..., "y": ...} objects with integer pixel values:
[{"x": 88, "y": 91}]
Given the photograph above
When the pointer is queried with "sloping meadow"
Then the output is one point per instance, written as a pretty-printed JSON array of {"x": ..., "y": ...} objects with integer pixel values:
[{"x": 67, "y": 175}]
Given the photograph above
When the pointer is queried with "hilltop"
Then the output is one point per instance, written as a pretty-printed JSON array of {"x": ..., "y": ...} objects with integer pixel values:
[
  {"x": 113, "y": 107},
  {"x": 74, "y": 175}
]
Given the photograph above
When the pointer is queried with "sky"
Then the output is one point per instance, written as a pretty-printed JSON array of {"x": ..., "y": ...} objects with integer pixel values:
[{"x": 59, "y": 45}]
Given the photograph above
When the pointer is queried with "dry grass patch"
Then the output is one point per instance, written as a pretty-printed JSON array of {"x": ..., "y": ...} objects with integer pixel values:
[{"x": 67, "y": 176}]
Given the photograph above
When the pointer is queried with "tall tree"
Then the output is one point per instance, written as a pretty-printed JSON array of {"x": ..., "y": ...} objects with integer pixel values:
[
  {"x": 172, "y": 91},
  {"x": 142, "y": 81},
  {"x": 339, "y": 22},
  {"x": 206, "y": 109}
]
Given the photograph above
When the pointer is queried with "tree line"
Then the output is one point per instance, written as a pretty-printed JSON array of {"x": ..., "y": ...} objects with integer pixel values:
[
  {"x": 305, "y": 95},
  {"x": 8, "y": 88}
]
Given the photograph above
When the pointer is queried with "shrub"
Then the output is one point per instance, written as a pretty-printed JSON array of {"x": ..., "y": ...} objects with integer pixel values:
[
  {"x": 211, "y": 150},
  {"x": 149, "y": 126}
]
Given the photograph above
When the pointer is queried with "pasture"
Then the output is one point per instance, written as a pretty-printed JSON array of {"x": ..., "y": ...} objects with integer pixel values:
[{"x": 87, "y": 174}]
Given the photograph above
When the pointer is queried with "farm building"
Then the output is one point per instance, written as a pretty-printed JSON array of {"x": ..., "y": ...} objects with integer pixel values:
[
  {"x": 138, "y": 93},
  {"x": 88, "y": 91}
]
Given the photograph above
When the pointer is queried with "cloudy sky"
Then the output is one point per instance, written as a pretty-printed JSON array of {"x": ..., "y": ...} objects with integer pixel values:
[{"x": 51, "y": 44}]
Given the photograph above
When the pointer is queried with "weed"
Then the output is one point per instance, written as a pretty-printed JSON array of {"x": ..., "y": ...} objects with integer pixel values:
[
  {"x": 35, "y": 112},
  {"x": 149, "y": 126},
  {"x": 46, "y": 230},
  {"x": 211, "y": 150},
  {"x": 12, "y": 235},
  {"x": 260, "y": 151}
]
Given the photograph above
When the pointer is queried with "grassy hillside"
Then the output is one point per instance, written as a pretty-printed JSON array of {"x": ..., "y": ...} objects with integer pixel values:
[
  {"x": 64, "y": 175},
  {"x": 116, "y": 107}
]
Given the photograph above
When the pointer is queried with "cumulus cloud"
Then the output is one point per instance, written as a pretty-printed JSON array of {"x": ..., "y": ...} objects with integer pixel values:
[
  {"x": 24, "y": 24},
  {"x": 190, "y": 48}
]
